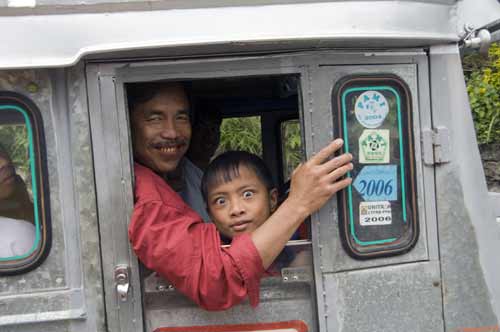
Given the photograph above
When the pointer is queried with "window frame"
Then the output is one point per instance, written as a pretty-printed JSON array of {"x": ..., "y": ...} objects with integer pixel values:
[
  {"x": 38, "y": 165},
  {"x": 387, "y": 247}
]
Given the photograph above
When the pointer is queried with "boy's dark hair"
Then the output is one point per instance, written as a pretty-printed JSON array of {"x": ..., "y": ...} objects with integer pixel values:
[
  {"x": 142, "y": 92},
  {"x": 226, "y": 167}
]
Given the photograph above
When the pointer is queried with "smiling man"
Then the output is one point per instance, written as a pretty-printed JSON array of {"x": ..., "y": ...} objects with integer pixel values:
[
  {"x": 161, "y": 133},
  {"x": 161, "y": 129},
  {"x": 170, "y": 238}
]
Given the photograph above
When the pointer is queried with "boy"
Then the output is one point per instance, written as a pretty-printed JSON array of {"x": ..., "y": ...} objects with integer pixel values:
[{"x": 240, "y": 196}]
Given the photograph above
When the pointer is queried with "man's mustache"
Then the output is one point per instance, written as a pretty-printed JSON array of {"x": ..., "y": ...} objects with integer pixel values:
[{"x": 169, "y": 143}]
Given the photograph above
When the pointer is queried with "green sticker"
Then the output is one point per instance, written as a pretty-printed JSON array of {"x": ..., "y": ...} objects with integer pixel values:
[{"x": 374, "y": 146}]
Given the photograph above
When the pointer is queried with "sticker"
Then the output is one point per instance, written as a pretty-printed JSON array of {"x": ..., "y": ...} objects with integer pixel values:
[
  {"x": 377, "y": 183},
  {"x": 375, "y": 213},
  {"x": 374, "y": 146},
  {"x": 371, "y": 108}
]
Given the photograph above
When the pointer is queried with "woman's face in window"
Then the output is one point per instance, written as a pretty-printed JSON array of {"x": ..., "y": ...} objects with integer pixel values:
[{"x": 7, "y": 176}]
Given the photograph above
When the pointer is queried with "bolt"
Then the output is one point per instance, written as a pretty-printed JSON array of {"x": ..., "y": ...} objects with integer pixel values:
[{"x": 32, "y": 87}]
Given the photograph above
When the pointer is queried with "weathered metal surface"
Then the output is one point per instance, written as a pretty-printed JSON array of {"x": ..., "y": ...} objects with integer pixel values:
[
  {"x": 468, "y": 233},
  {"x": 279, "y": 302},
  {"x": 333, "y": 255},
  {"x": 393, "y": 298},
  {"x": 51, "y": 274},
  {"x": 224, "y": 29},
  {"x": 51, "y": 326},
  {"x": 53, "y": 291},
  {"x": 83, "y": 170},
  {"x": 113, "y": 176}
]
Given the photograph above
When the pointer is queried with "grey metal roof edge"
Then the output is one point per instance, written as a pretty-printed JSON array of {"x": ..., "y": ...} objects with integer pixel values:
[{"x": 62, "y": 40}]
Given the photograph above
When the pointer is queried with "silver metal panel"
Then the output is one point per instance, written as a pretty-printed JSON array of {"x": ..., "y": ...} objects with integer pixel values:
[
  {"x": 103, "y": 5},
  {"x": 52, "y": 275},
  {"x": 279, "y": 302},
  {"x": 333, "y": 256},
  {"x": 379, "y": 24},
  {"x": 393, "y": 298},
  {"x": 495, "y": 204},
  {"x": 477, "y": 13},
  {"x": 85, "y": 200},
  {"x": 114, "y": 196},
  {"x": 426, "y": 184},
  {"x": 54, "y": 291},
  {"x": 468, "y": 233}
]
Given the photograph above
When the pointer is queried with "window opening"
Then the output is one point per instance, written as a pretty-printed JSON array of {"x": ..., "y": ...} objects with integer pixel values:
[
  {"x": 242, "y": 112},
  {"x": 25, "y": 236}
]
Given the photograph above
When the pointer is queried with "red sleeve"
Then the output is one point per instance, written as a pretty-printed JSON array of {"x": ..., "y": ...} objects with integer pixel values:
[{"x": 174, "y": 242}]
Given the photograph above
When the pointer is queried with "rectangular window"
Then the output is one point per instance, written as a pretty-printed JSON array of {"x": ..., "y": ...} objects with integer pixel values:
[
  {"x": 25, "y": 235},
  {"x": 378, "y": 214}
]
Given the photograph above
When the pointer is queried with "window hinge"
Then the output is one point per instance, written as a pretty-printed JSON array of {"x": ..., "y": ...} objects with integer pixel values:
[{"x": 436, "y": 145}]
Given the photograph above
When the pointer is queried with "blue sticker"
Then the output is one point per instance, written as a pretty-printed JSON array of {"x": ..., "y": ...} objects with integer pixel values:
[
  {"x": 371, "y": 108},
  {"x": 377, "y": 183}
]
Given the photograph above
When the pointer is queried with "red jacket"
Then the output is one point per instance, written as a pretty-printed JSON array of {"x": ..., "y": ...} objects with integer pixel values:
[{"x": 171, "y": 239}]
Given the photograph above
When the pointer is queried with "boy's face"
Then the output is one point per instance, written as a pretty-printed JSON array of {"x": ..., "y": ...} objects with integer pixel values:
[{"x": 242, "y": 204}]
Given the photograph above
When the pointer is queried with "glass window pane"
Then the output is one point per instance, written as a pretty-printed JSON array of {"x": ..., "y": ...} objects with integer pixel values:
[
  {"x": 17, "y": 213},
  {"x": 24, "y": 230},
  {"x": 378, "y": 211},
  {"x": 291, "y": 147}
]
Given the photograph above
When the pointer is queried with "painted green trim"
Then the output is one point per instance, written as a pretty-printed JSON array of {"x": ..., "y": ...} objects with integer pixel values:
[
  {"x": 346, "y": 139},
  {"x": 33, "y": 182}
]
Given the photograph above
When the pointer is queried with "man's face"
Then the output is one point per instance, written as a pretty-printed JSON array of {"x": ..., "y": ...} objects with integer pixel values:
[
  {"x": 161, "y": 129},
  {"x": 242, "y": 204}
]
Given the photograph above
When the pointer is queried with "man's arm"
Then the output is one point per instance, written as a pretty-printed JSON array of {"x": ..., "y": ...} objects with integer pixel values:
[
  {"x": 312, "y": 184},
  {"x": 172, "y": 240}
]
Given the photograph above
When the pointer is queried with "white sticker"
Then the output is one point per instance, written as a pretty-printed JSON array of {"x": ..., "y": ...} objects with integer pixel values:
[
  {"x": 374, "y": 146},
  {"x": 371, "y": 108},
  {"x": 375, "y": 213}
]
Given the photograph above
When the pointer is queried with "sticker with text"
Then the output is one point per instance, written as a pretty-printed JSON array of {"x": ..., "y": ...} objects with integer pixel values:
[
  {"x": 377, "y": 183},
  {"x": 375, "y": 213},
  {"x": 371, "y": 108},
  {"x": 374, "y": 146}
]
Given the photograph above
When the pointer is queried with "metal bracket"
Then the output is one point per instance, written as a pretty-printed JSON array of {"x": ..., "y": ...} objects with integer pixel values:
[
  {"x": 476, "y": 39},
  {"x": 296, "y": 274},
  {"x": 436, "y": 145},
  {"x": 122, "y": 281}
]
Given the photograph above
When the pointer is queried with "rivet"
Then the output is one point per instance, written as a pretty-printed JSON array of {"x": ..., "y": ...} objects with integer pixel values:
[{"x": 32, "y": 87}]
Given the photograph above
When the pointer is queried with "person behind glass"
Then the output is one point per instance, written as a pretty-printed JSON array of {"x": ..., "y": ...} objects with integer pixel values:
[
  {"x": 240, "y": 196},
  {"x": 170, "y": 238},
  {"x": 205, "y": 136},
  {"x": 17, "y": 233}
]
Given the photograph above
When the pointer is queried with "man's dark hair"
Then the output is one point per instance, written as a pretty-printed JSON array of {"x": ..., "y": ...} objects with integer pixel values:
[
  {"x": 226, "y": 167},
  {"x": 142, "y": 92}
]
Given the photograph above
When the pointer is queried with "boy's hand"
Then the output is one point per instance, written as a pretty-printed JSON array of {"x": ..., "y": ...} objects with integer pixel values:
[{"x": 315, "y": 181}]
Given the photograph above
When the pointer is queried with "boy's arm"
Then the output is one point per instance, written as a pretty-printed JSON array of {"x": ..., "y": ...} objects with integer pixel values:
[{"x": 312, "y": 184}]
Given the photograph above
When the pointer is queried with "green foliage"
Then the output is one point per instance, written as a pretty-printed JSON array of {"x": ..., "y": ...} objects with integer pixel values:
[
  {"x": 241, "y": 134},
  {"x": 292, "y": 146},
  {"x": 245, "y": 134},
  {"x": 483, "y": 85},
  {"x": 14, "y": 138}
]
